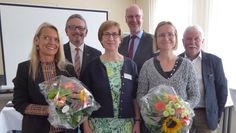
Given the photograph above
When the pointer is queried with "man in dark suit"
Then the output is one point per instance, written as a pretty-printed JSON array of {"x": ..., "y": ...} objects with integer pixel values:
[
  {"x": 142, "y": 49},
  {"x": 211, "y": 79},
  {"x": 76, "y": 30}
]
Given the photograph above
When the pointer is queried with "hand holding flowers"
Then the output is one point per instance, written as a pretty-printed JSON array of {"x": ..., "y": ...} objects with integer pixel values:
[
  {"x": 163, "y": 111},
  {"x": 70, "y": 103}
]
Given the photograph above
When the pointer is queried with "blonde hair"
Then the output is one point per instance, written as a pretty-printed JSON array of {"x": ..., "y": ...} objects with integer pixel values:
[
  {"x": 34, "y": 56},
  {"x": 155, "y": 48}
]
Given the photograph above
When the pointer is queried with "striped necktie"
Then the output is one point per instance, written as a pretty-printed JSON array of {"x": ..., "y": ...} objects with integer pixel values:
[{"x": 77, "y": 62}]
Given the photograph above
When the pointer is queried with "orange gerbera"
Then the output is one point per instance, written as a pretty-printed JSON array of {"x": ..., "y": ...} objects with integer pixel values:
[
  {"x": 68, "y": 85},
  {"x": 173, "y": 98},
  {"x": 160, "y": 106}
]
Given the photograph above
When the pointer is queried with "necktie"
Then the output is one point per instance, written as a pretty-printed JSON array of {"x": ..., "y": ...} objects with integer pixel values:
[
  {"x": 77, "y": 62},
  {"x": 131, "y": 47}
]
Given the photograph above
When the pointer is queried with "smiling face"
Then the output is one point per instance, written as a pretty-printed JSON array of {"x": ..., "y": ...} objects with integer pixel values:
[
  {"x": 134, "y": 19},
  {"x": 76, "y": 31},
  {"x": 111, "y": 39},
  {"x": 166, "y": 37},
  {"x": 192, "y": 42},
  {"x": 47, "y": 42}
]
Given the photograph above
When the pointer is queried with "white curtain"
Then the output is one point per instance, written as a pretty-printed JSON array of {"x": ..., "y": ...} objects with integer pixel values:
[
  {"x": 216, "y": 17},
  {"x": 221, "y": 36},
  {"x": 176, "y": 11}
]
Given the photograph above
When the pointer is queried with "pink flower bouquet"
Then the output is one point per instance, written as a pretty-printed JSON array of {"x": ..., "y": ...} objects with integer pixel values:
[
  {"x": 69, "y": 101},
  {"x": 165, "y": 112}
]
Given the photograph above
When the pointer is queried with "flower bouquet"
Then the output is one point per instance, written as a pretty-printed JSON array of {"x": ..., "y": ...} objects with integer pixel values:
[
  {"x": 70, "y": 103},
  {"x": 165, "y": 112}
]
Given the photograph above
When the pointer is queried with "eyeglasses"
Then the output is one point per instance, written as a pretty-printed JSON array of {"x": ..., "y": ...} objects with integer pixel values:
[
  {"x": 163, "y": 35},
  {"x": 74, "y": 27},
  {"x": 48, "y": 39},
  {"x": 136, "y": 16},
  {"x": 108, "y": 35}
]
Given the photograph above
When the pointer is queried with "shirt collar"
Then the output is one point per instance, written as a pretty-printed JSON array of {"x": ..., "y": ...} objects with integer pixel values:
[
  {"x": 199, "y": 55},
  {"x": 72, "y": 46},
  {"x": 139, "y": 35}
]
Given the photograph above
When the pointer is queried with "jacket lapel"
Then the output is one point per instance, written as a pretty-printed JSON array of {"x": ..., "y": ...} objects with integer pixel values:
[
  {"x": 67, "y": 52},
  {"x": 126, "y": 46},
  {"x": 140, "y": 47},
  {"x": 86, "y": 57}
]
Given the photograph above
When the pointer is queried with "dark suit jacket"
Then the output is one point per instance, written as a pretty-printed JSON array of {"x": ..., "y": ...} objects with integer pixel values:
[
  {"x": 143, "y": 52},
  {"x": 215, "y": 85},
  {"x": 89, "y": 54},
  {"x": 27, "y": 91}
]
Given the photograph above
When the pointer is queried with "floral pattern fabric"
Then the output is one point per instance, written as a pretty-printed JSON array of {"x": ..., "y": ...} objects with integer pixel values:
[{"x": 113, "y": 125}]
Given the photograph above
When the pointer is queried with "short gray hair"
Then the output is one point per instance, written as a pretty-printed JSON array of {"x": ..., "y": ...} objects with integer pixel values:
[
  {"x": 76, "y": 16},
  {"x": 194, "y": 28}
]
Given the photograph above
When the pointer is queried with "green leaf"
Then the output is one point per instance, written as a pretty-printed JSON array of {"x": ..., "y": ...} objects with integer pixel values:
[{"x": 52, "y": 93}]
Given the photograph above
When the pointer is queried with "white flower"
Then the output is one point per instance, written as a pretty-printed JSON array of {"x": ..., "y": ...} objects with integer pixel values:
[{"x": 65, "y": 109}]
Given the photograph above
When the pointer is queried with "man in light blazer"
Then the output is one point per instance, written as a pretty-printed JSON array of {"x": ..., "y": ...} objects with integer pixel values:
[
  {"x": 143, "y": 42},
  {"x": 211, "y": 79},
  {"x": 76, "y": 30}
]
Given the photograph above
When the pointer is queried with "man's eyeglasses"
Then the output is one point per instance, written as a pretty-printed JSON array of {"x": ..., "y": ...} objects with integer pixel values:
[
  {"x": 74, "y": 27},
  {"x": 134, "y": 16},
  {"x": 108, "y": 35}
]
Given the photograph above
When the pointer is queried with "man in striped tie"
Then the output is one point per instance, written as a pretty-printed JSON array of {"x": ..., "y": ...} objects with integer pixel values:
[{"x": 76, "y": 51}]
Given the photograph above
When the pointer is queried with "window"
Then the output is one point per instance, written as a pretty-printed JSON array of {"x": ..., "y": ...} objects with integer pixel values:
[
  {"x": 214, "y": 16},
  {"x": 176, "y": 11},
  {"x": 221, "y": 36}
]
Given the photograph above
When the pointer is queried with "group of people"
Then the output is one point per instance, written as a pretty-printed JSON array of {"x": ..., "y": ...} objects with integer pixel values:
[{"x": 123, "y": 74}]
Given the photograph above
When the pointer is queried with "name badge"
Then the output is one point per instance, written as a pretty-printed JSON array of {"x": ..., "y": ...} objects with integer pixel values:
[{"x": 127, "y": 76}]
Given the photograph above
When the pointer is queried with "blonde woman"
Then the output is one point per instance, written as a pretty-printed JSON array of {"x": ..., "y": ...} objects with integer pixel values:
[{"x": 47, "y": 61}]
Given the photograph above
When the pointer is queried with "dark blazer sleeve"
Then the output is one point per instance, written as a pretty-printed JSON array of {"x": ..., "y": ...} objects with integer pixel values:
[
  {"x": 220, "y": 85},
  {"x": 21, "y": 95},
  {"x": 216, "y": 91},
  {"x": 89, "y": 54}
]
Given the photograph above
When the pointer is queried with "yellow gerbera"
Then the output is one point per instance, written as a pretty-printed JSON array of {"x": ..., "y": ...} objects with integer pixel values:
[{"x": 171, "y": 125}]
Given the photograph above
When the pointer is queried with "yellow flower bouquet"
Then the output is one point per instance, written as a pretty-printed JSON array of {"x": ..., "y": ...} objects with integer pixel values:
[
  {"x": 165, "y": 112},
  {"x": 70, "y": 103}
]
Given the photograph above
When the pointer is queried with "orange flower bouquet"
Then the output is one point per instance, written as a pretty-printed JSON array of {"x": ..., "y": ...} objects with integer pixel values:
[
  {"x": 69, "y": 101},
  {"x": 165, "y": 112}
]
